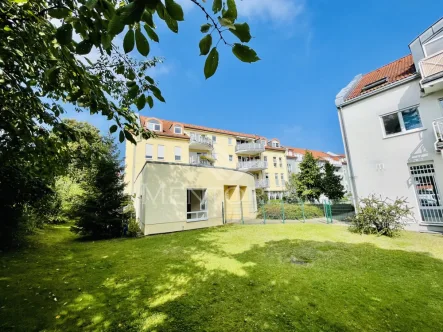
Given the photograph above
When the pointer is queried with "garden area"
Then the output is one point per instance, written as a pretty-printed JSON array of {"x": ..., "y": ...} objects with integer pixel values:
[{"x": 279, "y": 277}]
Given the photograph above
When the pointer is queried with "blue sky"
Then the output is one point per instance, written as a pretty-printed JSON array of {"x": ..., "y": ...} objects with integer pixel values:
[{"x": 309, "y": 51}]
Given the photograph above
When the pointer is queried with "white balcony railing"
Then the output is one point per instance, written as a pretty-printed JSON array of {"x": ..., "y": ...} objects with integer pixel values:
[
  {"x": 200, "y": 139},
  {"x": 437, "y": 125},
  {"x": 250, "y": 147},
  {"x": 197, "y": 215},
  {"x": 252, "y": 165},
  {"x": 431, "y": 65},
  {"x": 199, "y": 160},
  {"x": 262, "y": 183}
]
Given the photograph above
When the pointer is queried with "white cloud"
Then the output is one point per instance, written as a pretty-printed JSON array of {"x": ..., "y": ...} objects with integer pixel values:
[{"x": 271, "y": 10}]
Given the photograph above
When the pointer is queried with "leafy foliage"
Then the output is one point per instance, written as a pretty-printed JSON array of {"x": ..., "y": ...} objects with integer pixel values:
[
  {"x": 308, "y": 182},
  {"x": 381, "y": 216},
  {"x": 331, "y": 183},
  {"x": 291, "y": 189},
  {"x": 292, "y": 211}
]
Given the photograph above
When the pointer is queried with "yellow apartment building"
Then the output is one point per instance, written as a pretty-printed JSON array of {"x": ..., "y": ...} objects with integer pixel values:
[{"x": 191, "y": 176}]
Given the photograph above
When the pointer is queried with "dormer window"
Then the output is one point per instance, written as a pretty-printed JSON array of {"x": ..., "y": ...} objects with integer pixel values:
[
  {"x": 178, "y": 129},
  {"x": 275, "y": 144},
  {"x": 374, "y": 84},
  {"x": 154, "y": 125}
]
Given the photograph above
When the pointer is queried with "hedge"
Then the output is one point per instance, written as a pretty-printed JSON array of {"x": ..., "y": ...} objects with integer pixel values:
[{"x": 292, "y": 211}]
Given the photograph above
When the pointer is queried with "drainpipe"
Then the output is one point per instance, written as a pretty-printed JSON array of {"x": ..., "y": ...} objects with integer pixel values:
[
  {"x": 134, "y": 160},
  {"x": 348, "y": 155}
]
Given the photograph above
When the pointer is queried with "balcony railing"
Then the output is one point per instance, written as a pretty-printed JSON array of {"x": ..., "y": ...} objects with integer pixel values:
[
  {"x": 437, "y": 125},
  {"x": 431, "y": 65},
  {"x": 250, "y": 147},
  {"x": 201, "y": 160},
  {"x": 262, "y": 183},
  {"x": 201, "y": 140},
  {"x": 252, "y": 165},
  {"x": 197, "y": 215}
]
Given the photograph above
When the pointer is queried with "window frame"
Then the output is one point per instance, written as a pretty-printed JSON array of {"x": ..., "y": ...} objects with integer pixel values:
[
  {"x": 274, "y": 161},
  {"x": 401, "y": 121},
  {"x": 214, "y": 139},
  {"x": 146, "y": 151},
  {"x": 155, "y": 123},
  {"x": 229, "y": 140},
  {"x": 178, "y": 127},
  {"x": 282, "y": 179},
  {"x": 231, "y": 157},
  {"x": 430, "y": 42},
  {"x": 158, "y": 152},
  {"x": 280, "y": 161},
  {"x": 277, "y": 181},
  {"x": 177, "y": 148}
]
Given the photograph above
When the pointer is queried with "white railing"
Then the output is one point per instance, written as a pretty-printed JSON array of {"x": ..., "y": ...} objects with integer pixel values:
[
  {"x": 201, "y": 139},
  {"x": 256, "y": 164},
  {"x": 431, "y": 65},
  {"x": 262, "y": 183},
  {"x": 198, "y": 160},
  {"x": 437, "y": 125},
  {"x": 197, "y": 215},
  {"x": 257, "y": 147}
]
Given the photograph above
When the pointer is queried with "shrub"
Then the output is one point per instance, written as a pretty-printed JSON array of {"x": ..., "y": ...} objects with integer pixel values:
[
  {"x": 381, "y": 216},
  {"x": 134, "y": 229},
  {"x": 292, "y": 211}
]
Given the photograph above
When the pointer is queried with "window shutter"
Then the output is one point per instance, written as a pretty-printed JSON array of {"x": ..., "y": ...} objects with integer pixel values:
[
  {"x": 161, "y": 152},
  {"x": 149, "y": 151}
]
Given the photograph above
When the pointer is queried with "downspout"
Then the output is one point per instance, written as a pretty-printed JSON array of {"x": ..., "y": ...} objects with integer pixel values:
[
  {"x": 134, "y": 160},
  {"x": 348, "y": 155}
]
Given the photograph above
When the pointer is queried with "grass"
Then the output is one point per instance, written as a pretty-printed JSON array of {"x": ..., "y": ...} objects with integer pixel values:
[{"x": 307, "y": 277}]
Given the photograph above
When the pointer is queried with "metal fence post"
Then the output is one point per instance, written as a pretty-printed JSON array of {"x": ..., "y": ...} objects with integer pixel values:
[
  {"x": 264, "y": 214},
  {"x": 241, "y": 211},
  {"x": 283, "y": 211},
  {"x": 303, "y": 210},
  {"x": 223, "y": 213},
  {"x": 330, "y": 211}
]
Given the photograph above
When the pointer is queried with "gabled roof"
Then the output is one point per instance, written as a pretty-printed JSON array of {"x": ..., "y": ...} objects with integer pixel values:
[
  {"x": 167, "y": 127},
  {"x": 393, "y": 72},
  {"x": 316, "y": 154},
  {"x": 220, "y": 131}
]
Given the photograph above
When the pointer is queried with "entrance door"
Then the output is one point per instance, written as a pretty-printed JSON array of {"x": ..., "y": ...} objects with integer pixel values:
[{"x": 427, "y": 193}]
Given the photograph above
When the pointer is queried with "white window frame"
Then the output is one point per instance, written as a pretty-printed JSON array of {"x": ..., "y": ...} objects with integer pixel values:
[
  {"x": 277, "y": 182},
  {"x": 230, "y": 140},
  {"x": 160, "y": 152},
  {"x": 275, "y": 144},
  {"x": 154, "y": 123},
  {"x": 430, "y": 42},
  {"x": 146, "y": 151},
  {"x": 204, "y": 209},
  {"x": 280, "y": 161},
  {"x": 178, "y": 127},
  {"x": 402, "y": 123},
  {"x": 282, "y": 179},
  {"x": 231, "y": 158},
  {"x": 214, "y": 139},
  {"x": 179, "y": 154},
  {"x": 274, "y": 161}
]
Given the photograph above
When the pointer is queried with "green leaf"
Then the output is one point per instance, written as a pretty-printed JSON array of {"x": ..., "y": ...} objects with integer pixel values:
[
  {"x": 225, "y": 22},
  {"x": 142, "y": 43},
  {"x": 171, "y": 23},
  {"x": 121, "y": 136},
  {"x": 231, "y": 12},
  {"x": 59, "y": 13},
  {"x": 129, "y": 41},
  {"x": 130, "y": 83},
  {"x": 150, "y": 102},
  {"x": 205, "y": 44},
  {"x": 149, "y": 79},
  {"x": 217, "y": 6},
  {"x": 147, "y": 18},
  {"x": 157, "y": 93},
  {"x": 132, "y": 12},
  {"x": 211, "y": 63},
  {"x": 141, "y": 102},
  {"x": 174, "y": 10},
  {"x": 106, "y": 40},
  {"x": 244, "y": 53},
  {"x": 161, "y": 10},
  {"x": 64, "y": 34},
  {"x": 84, "y": 47},
  {"x": 205, "y": 27},
  {"x": 133, "y": 91},
  {"x": 151, "y": 33},
  {"x": 129, "y": 137},
  {"x": 242, "y": 31},
  {"x": 113, "y": 129},
  {"x": 115, "y": 25},
  {"x": 151, "y": 4}
]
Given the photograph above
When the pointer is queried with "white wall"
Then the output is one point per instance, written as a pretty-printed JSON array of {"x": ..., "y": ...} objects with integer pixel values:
[{"x": 369, "y": 150}]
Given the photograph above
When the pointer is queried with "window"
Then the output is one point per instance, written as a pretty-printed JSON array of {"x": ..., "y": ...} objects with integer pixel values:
[
  {"x": 275, "y": 161},
  {"x": 263, "y": 142},
  {"x": 229, "y": 140},
  {"x": 161, "y": 152},
  {"x": 290, "y": 153},
  {"x": 280, "y": 162},
  {"x": 374, "y": 84},
  {"x": 434, "y": 46},
  {"x": 148, "y": 151},
  {"x": 275, "y": 144},
  {"x": 197, "y": 204},
  {"x": 230, "y": 157},
  {"x": 289, "y": 168},
  {"x": 154, "y": 125},
  {"x": 177, "y": 129},
  {"x": 265, "y": 158},
  {"x": 276, "y": 180},
  {"x": 402, "y": 121},
  {"x": 282, "y": 179},
  {"x": 178, "y": 153},
  {"x": 214, "y": 139}
]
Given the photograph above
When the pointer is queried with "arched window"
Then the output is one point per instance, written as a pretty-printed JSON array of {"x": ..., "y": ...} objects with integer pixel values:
[
  {"x": 178, "y": 129},
  {"x": 154, "y": 125}
]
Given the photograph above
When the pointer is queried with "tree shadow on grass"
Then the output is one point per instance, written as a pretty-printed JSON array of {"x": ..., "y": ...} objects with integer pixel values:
[{"x": 182, "y": 282}]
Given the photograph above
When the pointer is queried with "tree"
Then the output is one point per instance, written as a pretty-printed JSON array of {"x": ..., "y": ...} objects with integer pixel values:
[
  {"x": 331, "y": 183},
  {"x": 291, "y": 189},
  {"x": 100, "y": 212},
  {"x": 42, "y": 66},
  {"x": 308, "y": 182}
]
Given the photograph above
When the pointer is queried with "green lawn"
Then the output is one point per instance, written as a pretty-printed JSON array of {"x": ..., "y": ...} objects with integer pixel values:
[{"x": 304, "y": 277}]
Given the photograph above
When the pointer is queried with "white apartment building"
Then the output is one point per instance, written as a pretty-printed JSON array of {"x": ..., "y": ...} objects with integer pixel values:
[{"x": 392, "y": 127}]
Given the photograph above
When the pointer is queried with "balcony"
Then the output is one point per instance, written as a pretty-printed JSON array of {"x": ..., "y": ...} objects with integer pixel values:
[
  {"x": 252, "y": 165},
  {"x": 200, "y": 142},
  {"x": 431, "y": 69},
  {"x": 437, "y": 125},
  {"x": 260, "y": 184},
  {"x": 250, "y": 148},
  {"x": 202, "y": 160}
]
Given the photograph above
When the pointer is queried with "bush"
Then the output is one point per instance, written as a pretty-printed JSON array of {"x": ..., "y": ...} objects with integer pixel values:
[
  {"x": 134, "y": 229},
  {"x": 292, "y": 211},
  {"x": 381, "y": 216}
]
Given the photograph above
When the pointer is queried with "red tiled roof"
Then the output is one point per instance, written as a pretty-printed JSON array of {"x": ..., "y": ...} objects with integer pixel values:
[
  {"x": 220, "y": 131},
  {"x": 167, "y": 129},
  {"x": 394, "y": 71},
  {"x": 316, "y": 154}
]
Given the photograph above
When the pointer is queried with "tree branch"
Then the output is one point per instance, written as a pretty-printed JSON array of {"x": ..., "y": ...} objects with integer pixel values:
[{"x": 208, "y": 16}]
